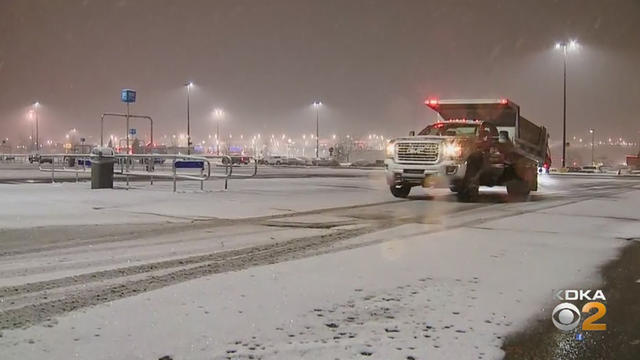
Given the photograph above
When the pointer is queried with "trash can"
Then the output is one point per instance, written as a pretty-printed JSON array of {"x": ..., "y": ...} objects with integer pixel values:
[{"x": 102, "y": 159}]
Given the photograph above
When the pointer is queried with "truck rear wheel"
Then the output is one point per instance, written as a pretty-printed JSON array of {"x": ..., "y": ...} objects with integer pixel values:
[
  {"x": 401, "y": 191},
  {"x": 518, "y": 190},
  {"x": 522, "y": 178}
]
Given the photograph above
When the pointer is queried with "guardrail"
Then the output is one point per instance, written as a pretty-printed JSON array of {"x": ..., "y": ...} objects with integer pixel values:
[
  {"x": 65, "y": 159},
  {"x": 230, "y": 165},
  {"x": 8, "y": 157},
  {"x": 148, "y": 165},
  {"x": 148, "y": 161},
  {"x": 144, "y": 165}
]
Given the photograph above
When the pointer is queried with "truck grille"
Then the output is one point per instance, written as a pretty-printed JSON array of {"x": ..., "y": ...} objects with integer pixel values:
[{"x": 417, "y": 152}]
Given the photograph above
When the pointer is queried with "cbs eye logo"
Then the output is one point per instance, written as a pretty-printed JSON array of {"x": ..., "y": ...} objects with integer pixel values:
[{"x": 566, "y": 316}]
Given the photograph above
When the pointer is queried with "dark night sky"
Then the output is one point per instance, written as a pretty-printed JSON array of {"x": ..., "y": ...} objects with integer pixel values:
[{"x": 371, "y": 62}]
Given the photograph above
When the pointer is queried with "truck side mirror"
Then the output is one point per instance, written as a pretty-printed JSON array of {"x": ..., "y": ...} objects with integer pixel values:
[
  {"x": 412, "y": 133},
  {"x": 503, "y": 137}
]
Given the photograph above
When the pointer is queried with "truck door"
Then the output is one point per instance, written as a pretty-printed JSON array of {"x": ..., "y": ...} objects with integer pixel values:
[{"x": 489, "y": 137}]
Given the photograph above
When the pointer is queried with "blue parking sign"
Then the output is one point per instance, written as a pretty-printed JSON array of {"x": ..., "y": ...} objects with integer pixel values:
[{"x": 128, "y": 96}]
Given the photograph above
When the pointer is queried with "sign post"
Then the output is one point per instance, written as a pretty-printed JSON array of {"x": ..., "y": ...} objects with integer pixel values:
[{"x": 128, "y": 96}]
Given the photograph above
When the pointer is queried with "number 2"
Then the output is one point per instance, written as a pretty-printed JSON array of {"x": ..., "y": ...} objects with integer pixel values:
[{"x": 588, "y": 324}]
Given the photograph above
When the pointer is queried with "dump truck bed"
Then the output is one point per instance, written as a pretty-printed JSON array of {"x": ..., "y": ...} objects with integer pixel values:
[{"x": 530, "y": 140}]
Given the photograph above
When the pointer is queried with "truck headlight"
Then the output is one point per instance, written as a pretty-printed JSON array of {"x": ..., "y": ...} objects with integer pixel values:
[
  {"x": 452, "y": 150},
  {"x": 391, "y": 150}
]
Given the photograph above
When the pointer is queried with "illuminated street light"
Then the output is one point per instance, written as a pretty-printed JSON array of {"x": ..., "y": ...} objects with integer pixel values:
[
  {"x": 571, "y": 45},
  {"x": 317, "y": 105},
  {"x": 188, "y": 85},
  {"x": 218, "y": 114}
]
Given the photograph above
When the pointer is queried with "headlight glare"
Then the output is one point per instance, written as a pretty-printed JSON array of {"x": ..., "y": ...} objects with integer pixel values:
[
  {"x": 391, "y": 150},
  {"x": 452, "y": 150}
]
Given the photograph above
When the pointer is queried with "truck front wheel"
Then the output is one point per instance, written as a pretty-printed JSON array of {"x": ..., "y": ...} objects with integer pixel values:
[
  {"x": 455, "y": 186},
  {"x": 401, "y": 191},
  {"x": 468, "y": 188},
  {"x": 469, "y": 193}
]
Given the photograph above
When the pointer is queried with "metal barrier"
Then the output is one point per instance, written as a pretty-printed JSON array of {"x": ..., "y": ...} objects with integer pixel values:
[
  {"x": 191, "y": 164},
  {"x": 148, "y": 161},
  {"x": 128, "y": 166},
  {"x": 230, "y": 166},
  {"x": 78, "y": 159}
]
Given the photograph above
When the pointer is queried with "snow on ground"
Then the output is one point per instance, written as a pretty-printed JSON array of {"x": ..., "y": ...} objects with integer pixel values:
[
  {"x": 452, "y": 294},
  {"x": 28, "y": 205},
  {"x": 63, "y": 262}
]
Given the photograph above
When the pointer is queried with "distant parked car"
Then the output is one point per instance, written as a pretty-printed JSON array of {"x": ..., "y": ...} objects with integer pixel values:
[
  {"x": 156, "y": 161},
  {"x": 275, "y": 160},
  {"x": 36, "y": 158},
  {"x": 305, "y": 160},
  {"x": 363, "y": 163},
  {"x": 237, "y": 159},
  {"x": 589, "y": 169},
  {"x": 296, "y": 161},
  {"x": 326, "y": 162}
]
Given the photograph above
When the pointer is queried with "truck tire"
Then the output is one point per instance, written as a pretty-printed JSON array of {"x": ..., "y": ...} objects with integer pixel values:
[
  {"x": 400, "y": 191},
  {"x": 521, "y": 180},
  {"x": 455, "y": 186},
  {"x": 518, "y": 190},
  {"x": 468, "y": 194},
  {"x": 468, "y": 188}
]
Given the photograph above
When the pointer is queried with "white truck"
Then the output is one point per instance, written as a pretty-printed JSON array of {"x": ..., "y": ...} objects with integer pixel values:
[{"x": 478, "y": 142}]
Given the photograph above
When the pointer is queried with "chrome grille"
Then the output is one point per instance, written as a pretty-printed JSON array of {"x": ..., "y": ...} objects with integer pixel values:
[{"x": 417, "y": 152}]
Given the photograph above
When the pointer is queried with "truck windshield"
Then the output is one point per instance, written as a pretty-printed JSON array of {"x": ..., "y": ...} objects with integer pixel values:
[{"x": 450, "y": 129}]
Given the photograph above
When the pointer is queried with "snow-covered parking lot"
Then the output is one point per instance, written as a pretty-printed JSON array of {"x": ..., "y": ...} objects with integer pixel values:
[{"x": 289, "y": 268}]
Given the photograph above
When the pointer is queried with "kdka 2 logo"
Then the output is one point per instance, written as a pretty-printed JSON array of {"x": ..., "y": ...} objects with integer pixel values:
[{"x": 566, "y": 316}]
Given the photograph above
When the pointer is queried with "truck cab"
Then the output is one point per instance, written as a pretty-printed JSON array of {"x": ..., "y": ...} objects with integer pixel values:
[{"x": 472, "y": 143}]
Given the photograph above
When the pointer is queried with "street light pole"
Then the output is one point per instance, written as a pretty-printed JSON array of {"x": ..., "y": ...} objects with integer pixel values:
[
  {"x": 317, "y": 105},
  {"x": 218, "y": 113},
  {"x": 188, "y": 85},
  {"x": 564, "y": 109},
  {"x": 592, "y": 131},
  {"x": 572, "y": 44},
  {"x": 36, "y": 105}
]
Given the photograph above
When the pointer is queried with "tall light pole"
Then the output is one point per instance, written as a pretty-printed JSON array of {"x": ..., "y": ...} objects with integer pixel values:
[
  {"x": 572, "y": 44},
  {"x": 36, "y": 105},
  {"x": 188, "y": 85},
  {"x": 592, "y": 132},
  {"x": 317, "y": 104},
  {"x": 218, "y": 114}
]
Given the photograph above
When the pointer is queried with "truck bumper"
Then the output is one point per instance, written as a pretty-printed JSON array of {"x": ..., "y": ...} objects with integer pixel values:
[{"x": 441, "y": 174}]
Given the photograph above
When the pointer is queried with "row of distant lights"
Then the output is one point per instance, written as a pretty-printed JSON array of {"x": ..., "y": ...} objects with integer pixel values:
[
  {"x": 259, "y": 136},
  {"x": 219, "y": 113}
]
